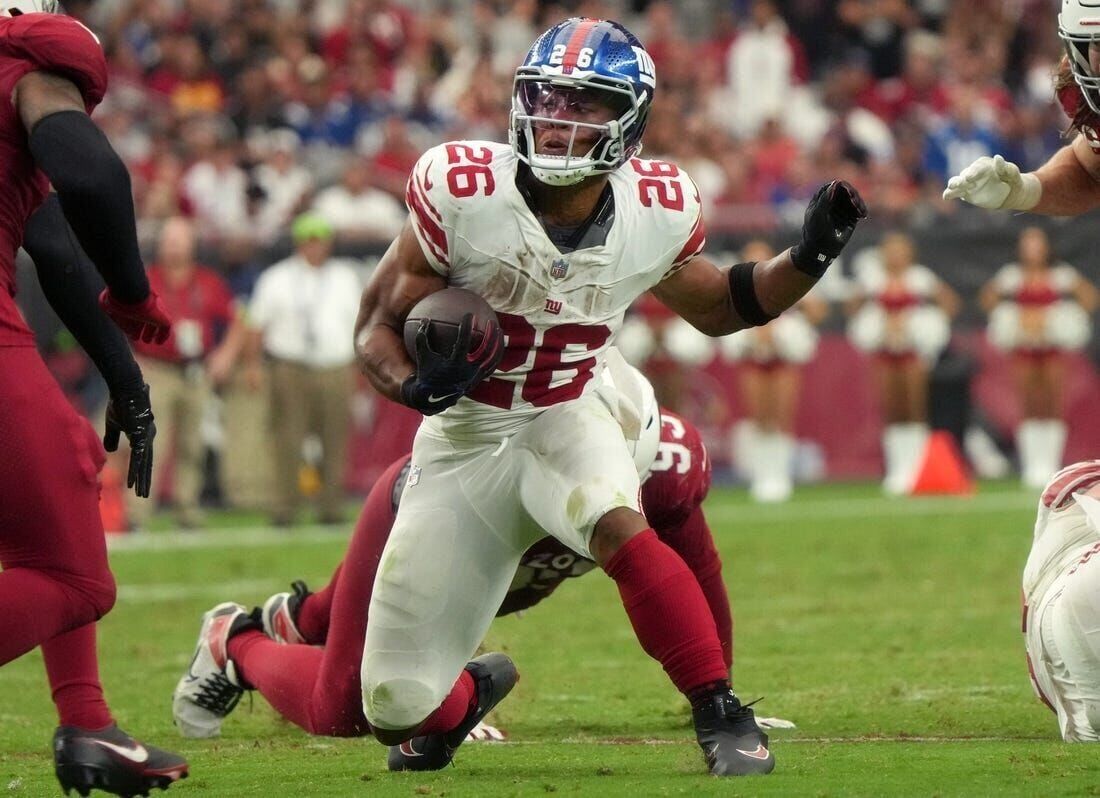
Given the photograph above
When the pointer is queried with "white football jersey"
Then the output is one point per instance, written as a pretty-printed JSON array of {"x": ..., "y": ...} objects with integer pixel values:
[
  {"x": 1064, "y": 531},
  {"x": 559, "y": 312}
]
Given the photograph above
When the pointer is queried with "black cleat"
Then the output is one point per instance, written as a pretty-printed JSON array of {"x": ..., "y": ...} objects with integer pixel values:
[
  {"x": 494, "y": 677},
  {"x": 732, "y": 743},
  {"x": 112, "y": 761}
]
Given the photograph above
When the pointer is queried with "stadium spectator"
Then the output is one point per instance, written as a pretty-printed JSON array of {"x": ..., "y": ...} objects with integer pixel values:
[
  {"x": 901, "y": 315},
  {"x": 198, "y": 355},
  {"x": 764, "y": 64},
  {"x": 358, "y": 212},
  {"x": 302, "y": 315},
  {"x": 769, "y": 378},
  {"x": 284, "y": 184},
  {"x": 1039, "y": 309}
]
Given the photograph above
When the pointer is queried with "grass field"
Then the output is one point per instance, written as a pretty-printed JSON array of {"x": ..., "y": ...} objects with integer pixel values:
[{"x": 888, "y": 631}]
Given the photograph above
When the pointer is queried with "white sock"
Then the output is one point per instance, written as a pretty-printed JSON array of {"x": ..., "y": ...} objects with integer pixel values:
[
  {"x": 1029, "y": 448},
  {"x": 772, "y": 474}
]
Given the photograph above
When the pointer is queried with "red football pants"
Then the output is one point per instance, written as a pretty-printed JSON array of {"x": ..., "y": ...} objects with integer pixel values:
[{"x": 55, "y": 576}]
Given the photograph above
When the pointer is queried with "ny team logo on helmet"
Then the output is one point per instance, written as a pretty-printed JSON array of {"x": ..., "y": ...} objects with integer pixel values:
[
  {"x": 1079, "y": 30},
  {"x": 593, "y": 55},
  {"x": 13, "y": 8}
]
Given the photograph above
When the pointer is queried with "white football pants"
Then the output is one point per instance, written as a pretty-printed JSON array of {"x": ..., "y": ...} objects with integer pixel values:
[{"x": 469, "y": 511}]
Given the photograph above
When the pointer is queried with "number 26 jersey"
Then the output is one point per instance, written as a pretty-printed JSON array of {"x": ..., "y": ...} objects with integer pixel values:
[{"x": 559, "y": 311}]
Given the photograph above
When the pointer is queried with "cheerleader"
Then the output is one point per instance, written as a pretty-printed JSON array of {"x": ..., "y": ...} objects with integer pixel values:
[
  {"x": 1038, "y": 310},
  {"x": 771, "y": 359},
  {"x": 901, "y": 314}
]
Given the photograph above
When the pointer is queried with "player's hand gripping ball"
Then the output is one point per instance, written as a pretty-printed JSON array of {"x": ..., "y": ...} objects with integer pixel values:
[{"x": 455, "y": 340}]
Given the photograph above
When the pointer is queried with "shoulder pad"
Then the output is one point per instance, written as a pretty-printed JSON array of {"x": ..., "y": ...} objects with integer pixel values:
[{"x": 60, "y": 44}]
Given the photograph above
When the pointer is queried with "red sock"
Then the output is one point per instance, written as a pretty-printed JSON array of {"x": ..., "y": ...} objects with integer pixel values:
[
  {"x": 73, "y": 672},
  {"x": 461, "y": 699},
  {"x": 693, "y": 541},
  {"x": 314, "y": 611},
  {"x": 320, "y": 697},
  {"x": 667, "y": 609}
]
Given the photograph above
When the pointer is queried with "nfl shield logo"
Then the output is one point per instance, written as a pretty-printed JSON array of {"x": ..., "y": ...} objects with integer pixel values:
[{"x": 559, "y": 268}]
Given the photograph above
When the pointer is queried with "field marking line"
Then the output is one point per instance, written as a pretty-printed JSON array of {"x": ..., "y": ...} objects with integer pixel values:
[{"x": 243, "y": 537}]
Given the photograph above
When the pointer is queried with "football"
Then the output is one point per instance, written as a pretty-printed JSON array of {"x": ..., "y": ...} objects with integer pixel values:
[{"x": 445, "y": 309}]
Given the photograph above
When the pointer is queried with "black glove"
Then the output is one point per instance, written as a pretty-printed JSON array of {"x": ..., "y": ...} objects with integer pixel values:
[
  {"x": 442, "y": 378},
  {"x": 132, "y": 414},
  {"x": 831, "y": 218}
]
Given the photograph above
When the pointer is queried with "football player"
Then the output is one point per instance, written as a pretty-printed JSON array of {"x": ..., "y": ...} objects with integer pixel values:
[
  {"x": 56, "y": 581},
  {"x": 1069, "y": 183},
  {"x": 1061, "y": 594},
  {"x": 320, "y": 690},
  {"x": 560, "y": 231}
]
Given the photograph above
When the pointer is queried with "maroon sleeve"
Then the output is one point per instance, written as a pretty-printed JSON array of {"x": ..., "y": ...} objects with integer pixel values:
[
  {"x": 60, "y": 44},
  {"x": 680, "y": 477}
]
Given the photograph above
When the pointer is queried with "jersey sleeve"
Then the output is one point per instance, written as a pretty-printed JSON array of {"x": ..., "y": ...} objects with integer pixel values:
[
  {"x": 430, "y": 208},
  {"x": 62, "y": 45},
  {"x": 688, "y": 229},
  {"x": 680, "y": 477}
]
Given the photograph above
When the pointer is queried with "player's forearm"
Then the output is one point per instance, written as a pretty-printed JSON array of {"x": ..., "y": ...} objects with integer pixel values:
[
  {"x": 71, "y": 286},
  {"x": 382, "y": 358},
  {"x": 779, "y": 285},
  {"x": 1068, "y": 188},
  {"x": 94, "y": 188}
]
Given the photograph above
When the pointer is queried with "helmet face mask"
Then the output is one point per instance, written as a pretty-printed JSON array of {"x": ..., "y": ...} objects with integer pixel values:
[
  {"x": 1079, "y": 30},
  {"x": 14, "y": 8},
  {"x": 599, "y": 109}
]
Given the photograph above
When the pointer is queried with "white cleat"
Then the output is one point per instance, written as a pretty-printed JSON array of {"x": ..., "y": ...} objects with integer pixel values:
[
  {"x": 280, "y": 613},
  {"x": 210, "y": 689}
]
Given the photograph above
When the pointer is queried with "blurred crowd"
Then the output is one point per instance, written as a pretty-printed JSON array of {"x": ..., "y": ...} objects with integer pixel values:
[
  {"x": 239, "y": 113},
  {"x": 263, "y": 136}
]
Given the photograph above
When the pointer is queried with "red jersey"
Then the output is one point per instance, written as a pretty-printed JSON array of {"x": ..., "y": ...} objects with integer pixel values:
[
  {"x": 29, "y": 43},
  {"x": 201, "y": 310}
]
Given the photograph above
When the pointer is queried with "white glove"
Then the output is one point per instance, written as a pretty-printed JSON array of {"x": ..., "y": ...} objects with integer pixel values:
[
  {"x": 774, "y": 723},
  {"x": 996, "y": 184},
  {"x": 484, "y": 733}
]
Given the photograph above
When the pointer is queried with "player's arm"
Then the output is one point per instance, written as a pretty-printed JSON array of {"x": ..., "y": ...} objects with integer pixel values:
[
  {"x": 721, "y": 300},
  {"x": 94, "y": 189},
  {"x": 1066, "y": 185},
  {"x": 402, "y": 279},
  {"x": 71, "y": 286}
]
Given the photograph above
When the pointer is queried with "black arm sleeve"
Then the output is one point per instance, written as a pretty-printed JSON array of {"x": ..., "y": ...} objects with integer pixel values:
[
  {"x": 72, "y": 287},
  {"x": 94, "y": 188},
  {"x": 743, "y": 294}
]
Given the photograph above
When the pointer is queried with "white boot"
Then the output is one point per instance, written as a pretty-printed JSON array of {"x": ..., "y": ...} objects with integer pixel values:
[
  {"x": 745, "y": 442},
  {"x": 772, "y": 473},
  {"x": 903, "y": 445},
  {"x": 1029, "y": 448},
  {"x": 891, "y": 459},
  {"x": 1053, "y": 439}
]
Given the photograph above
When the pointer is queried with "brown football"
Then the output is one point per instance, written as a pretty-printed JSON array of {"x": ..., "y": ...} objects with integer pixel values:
[{"x": 445, "y": 309}]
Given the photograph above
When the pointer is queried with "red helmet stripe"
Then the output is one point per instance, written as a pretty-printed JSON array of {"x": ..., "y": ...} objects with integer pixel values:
[{"x": 576, "y": 42}]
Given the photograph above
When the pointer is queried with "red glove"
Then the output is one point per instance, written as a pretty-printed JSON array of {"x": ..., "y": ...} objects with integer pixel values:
[{"x": 146, "y": 321}]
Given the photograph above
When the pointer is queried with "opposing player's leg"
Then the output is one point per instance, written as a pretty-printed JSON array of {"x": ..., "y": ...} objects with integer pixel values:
[
  {"x": 455, "y": 545},
  {"x": 316, "y": 688},
  {"x": 55, "y": 575},
  {"x": 693, "y": 541},
  {"x": 56, "y": 582},
  {"x": 579, "y": 483}
]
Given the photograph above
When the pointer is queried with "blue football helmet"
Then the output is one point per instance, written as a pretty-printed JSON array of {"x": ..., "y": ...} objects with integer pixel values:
[{"x": 593, "y": 58}]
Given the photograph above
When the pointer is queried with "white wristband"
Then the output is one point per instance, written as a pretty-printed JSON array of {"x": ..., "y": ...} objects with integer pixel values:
[{"x": 1025, "y": 196}]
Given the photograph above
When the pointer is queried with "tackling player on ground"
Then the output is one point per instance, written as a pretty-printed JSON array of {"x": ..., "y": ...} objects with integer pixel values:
[
  {"x": 560, "y": 232},
  {"x": 55, "y": 581},
  {"x": 1061, "y": 587}
]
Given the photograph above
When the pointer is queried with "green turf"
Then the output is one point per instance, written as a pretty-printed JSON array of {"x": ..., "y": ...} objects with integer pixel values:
[{"x": 888, "y": 631}]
